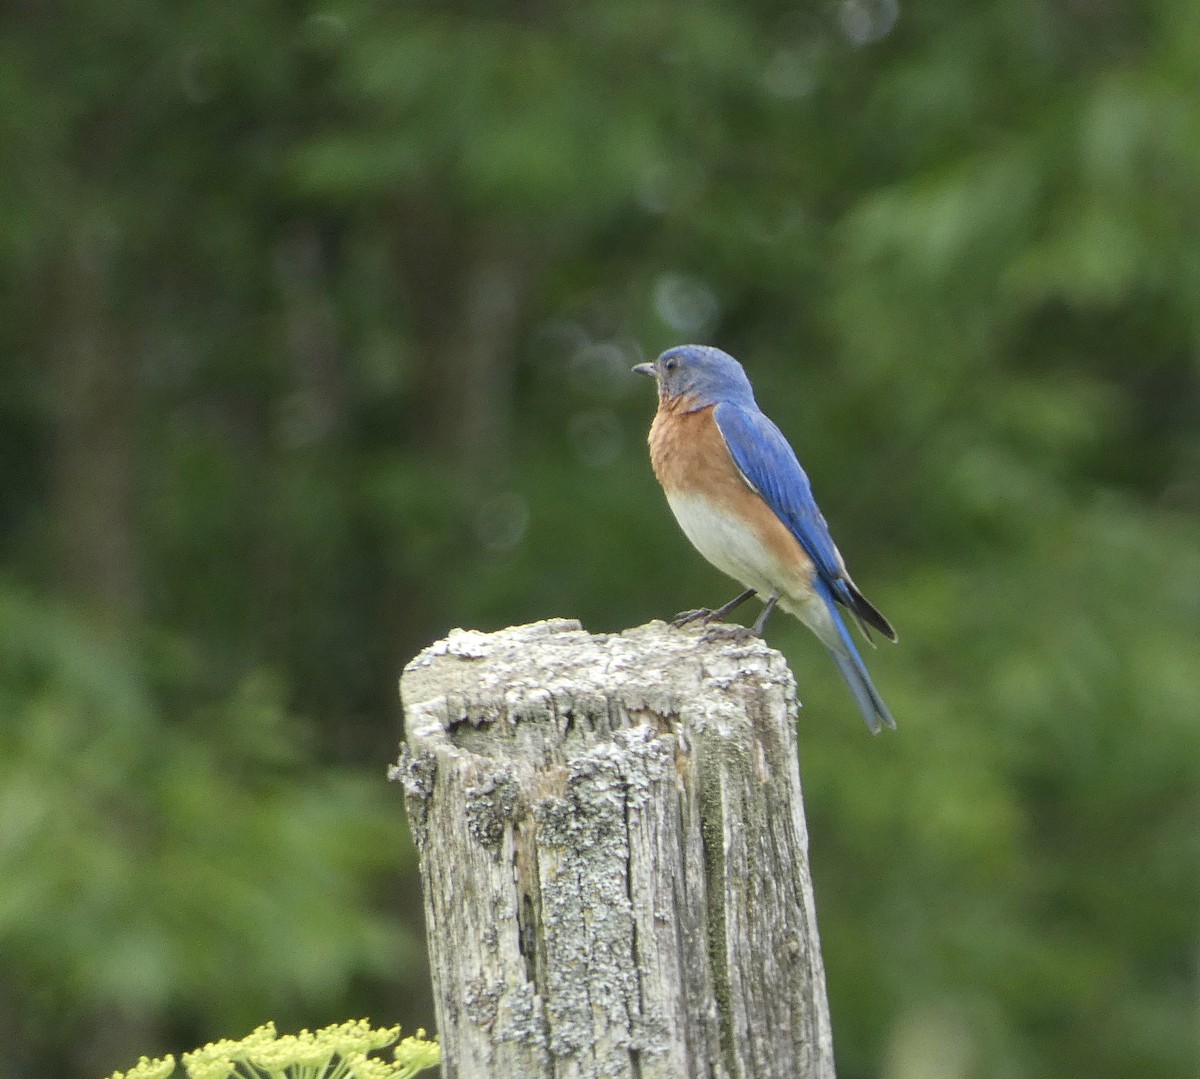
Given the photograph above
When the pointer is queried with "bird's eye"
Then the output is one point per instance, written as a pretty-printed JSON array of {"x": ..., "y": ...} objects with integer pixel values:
[{"x": 671, "y": 364}]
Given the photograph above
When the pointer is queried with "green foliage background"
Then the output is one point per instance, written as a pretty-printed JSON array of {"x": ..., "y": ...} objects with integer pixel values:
[{"x": 315, "y": 326}]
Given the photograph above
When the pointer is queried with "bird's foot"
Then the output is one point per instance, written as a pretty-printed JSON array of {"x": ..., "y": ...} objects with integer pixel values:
[
  {"x": 735, "y": 632},
  {"x": 707, "y": 618},
  {"x": 705, "y": 615},
  {"x": 702, "y": 615}
]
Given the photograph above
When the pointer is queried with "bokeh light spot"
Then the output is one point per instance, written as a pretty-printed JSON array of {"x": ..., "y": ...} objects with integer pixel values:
[
  {"x": 684, "y": 303},
  {"x": 501, "y": 520},
  {"x": 866, "y": 21},
  {"x": 602, "y": 368}
]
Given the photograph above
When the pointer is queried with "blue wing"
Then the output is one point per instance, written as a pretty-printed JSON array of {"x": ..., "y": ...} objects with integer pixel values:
[{"x": 769, "y": 465}]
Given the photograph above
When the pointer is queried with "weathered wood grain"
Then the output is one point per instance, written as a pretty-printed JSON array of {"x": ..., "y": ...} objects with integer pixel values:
[{"x": 614, "y": 855}]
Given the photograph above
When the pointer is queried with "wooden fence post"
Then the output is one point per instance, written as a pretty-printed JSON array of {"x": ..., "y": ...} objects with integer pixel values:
[{"x": 614, "y": 856}]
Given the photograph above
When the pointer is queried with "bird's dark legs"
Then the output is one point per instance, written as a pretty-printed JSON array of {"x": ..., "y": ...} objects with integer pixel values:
[
  {"x": 705, "y": 615},
  {"x": 737, "y": 601},
  {"x": 761, "y": 623}
]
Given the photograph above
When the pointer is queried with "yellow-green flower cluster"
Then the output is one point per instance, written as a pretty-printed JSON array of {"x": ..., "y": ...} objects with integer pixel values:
[
  {"x": 334, "y": 1052},
  {"x": 414, "y": 1054},
  {"x": 148, "y": 1069}
]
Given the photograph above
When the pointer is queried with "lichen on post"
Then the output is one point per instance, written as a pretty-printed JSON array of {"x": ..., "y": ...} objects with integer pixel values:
[{"x": 613, "y": 855}]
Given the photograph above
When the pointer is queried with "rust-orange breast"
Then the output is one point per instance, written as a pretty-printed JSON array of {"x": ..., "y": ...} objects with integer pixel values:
[{"x": 736, "y": 531}]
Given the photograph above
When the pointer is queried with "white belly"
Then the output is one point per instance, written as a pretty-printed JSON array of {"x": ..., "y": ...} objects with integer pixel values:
[
  {"x": 736, "y": 549},
  {"x": 729, "y": 544}
]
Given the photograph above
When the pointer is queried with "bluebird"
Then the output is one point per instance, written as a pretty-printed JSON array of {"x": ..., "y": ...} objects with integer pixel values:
[{"x": 741, "y": 497}]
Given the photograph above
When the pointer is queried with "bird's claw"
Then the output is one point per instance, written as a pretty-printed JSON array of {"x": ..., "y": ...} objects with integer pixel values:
[
  {"x": 706, "y": 617},
  {"x": 686, "y": 618}
]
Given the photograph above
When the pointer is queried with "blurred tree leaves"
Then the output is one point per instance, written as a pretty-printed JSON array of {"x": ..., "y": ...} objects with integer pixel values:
[
  {"x": 148, "y": 865},
  {"x": 358, "y": 287}
]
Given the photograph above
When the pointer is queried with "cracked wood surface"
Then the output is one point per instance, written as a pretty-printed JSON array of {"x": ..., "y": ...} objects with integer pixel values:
[{"x": 613, "y": 855}]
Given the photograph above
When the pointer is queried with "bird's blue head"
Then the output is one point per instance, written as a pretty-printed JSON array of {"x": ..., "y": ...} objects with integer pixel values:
[{"x": 699, "y": 375}]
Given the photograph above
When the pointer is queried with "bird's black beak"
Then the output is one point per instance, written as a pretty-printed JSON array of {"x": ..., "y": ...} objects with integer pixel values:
[{"x": 645, "y": 369}]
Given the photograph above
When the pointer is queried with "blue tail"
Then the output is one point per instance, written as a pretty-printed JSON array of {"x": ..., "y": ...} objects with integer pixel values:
[{"x": 854, "y": 671}]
